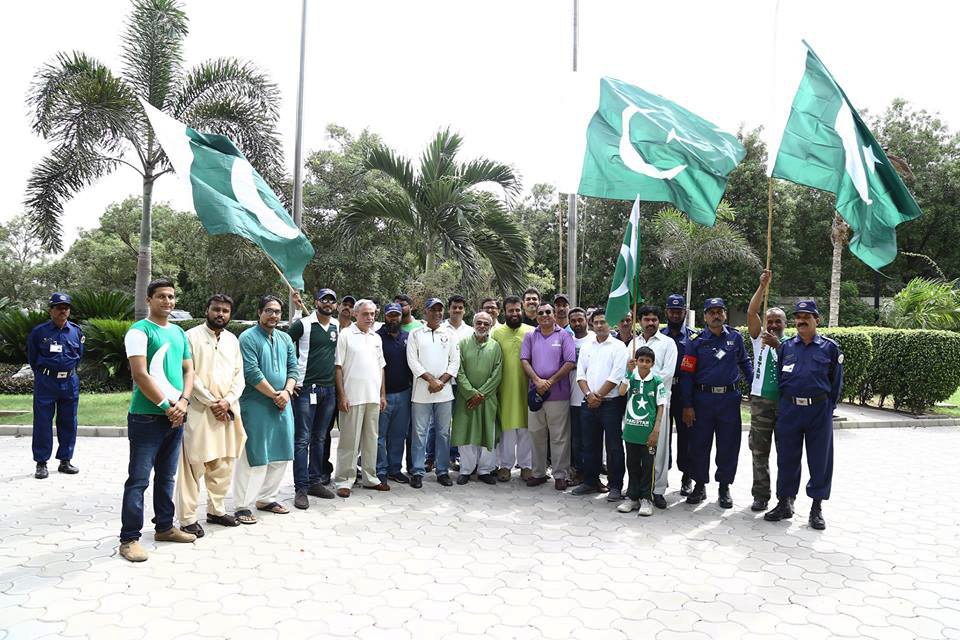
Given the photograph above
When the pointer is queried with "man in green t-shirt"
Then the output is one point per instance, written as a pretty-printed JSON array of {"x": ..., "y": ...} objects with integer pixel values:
[
  {"x": 407, "y": 322},
  {"x": 162, "y": 371},
  {"x": 646, "y": 399}
]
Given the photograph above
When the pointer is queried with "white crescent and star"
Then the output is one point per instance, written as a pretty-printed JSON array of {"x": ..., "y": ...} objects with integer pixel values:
[
  {"x": 631, "y": 157},
  {"x": 159, "y": 375},
  {"x": 846, "y": 128},
  {"x": 245, "y": 189}
]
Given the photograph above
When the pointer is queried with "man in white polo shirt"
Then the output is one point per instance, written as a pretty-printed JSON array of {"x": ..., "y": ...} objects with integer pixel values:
[
  {"x": 664, "y": 366},
  {"x": 434, "y": 360},
  {"x": 361, "y": 395}
]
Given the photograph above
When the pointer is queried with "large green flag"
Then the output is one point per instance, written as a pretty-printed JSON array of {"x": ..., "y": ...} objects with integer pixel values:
[
  {"x": 642, "y": 145},
  {"x": 229, "y": 196},
  {"x": 827, "y": 146},
  {"x": 623, "y": 285}
]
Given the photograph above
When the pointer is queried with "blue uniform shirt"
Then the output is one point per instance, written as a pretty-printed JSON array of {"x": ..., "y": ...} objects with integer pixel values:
[
  {"x": 681, "y": 342},
  {"x": 810, "y": 370},
  {"x": 397, "y": 375},
  {"x": 715, "y": 361},
  {"x": 49, "y": 347}
]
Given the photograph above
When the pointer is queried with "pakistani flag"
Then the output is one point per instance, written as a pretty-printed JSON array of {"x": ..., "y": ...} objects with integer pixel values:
[
  {"x": 625, "y": 275},
  {"x": 827, "y": 146},
  {"x": 229, "y": 196},
  {"x": 642, "y": 145}
]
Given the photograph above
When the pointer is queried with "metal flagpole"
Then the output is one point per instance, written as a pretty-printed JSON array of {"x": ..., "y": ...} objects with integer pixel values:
[
  {"x": 572, "y": 198},
  {"x": 298, "y": 145}
]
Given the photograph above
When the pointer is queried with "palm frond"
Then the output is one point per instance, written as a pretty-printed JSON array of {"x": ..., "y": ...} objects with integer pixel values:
[
  {"x": 498, "y": 237},
  {"x": 58, "y": 176},
  {"x": 439, "y": 158},
  {"x": 399, "y": 168},
  {"x": 367, "y": 208},
  {"x": 77, "y": 101},
  {"x": 481, "y": 170},
  {"x": 153, "y": 48}
]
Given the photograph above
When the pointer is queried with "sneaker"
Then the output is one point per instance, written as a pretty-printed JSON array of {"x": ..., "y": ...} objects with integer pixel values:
[
  {"x": 42, "y": 473},
  {"x": 399, "y": 477},
  {"x": 646, "y": 508},
  {"x": 503, "y": 475},
  {"x": 301, "y": 501},
  {"x": 628, "y": 505},
  {"x": 133, "y": 551},
  {"x": 320, "y": 491},
  {"x": 174, "y": 535},
  {"x": 614, "y": 495}
]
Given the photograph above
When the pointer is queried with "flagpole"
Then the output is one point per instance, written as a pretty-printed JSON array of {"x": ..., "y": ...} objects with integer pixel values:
[
  {"x": 572, "y": 198},
  {"x": 297, "y": 149},
  {"x": 766, "y": 291},
  {"x": 633, "y": 315},
  {"x": 289, "y": 286}
]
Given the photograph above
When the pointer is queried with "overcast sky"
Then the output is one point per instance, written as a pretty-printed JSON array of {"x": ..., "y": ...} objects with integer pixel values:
[{"x": 498, "y": 71}]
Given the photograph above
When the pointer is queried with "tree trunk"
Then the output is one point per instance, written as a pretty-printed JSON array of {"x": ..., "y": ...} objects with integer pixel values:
[
  {"x": 838, "y": 236},
  {"x": 144, "y": 256}
]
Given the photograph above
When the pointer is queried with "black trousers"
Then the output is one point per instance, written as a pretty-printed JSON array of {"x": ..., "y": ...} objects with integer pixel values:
[{"x": 640, "y": 471}]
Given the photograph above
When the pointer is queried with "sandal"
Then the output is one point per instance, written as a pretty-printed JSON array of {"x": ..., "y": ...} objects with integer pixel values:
[
  {"x": 273, "y": 507},
  {"x": 225, "y": 520},
  {"x": 245, "y": 516}
]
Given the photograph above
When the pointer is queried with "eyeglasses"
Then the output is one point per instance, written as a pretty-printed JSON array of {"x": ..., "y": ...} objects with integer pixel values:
[
  {"x": 272, "y": 312},
  {"x": 481, "y": 323},
  {"x": 545, "y": 312}
]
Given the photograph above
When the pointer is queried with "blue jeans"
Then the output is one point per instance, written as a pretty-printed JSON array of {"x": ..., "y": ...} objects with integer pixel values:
[
  {"x": 423, "y": 413},
  {"x": 311, "y": 422},
  {"x": 602, "y": 426},
  {"x": 153, "y": 445},
  {"x": 392, "y": 434}
]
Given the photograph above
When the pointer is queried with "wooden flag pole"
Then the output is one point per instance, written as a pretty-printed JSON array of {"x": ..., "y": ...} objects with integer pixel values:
[
  {"x": 766, "y": 291},
  {"x": 287, "y": 282},
  {"x": 633, "y": 316}
]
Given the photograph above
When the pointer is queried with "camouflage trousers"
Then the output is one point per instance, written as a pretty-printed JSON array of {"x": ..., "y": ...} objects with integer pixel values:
[{"x": 763, "y": 419}]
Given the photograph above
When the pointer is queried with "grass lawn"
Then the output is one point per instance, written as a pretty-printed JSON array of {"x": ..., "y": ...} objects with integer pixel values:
[
  {"x": 101, "y": 409},
  {"x": 950, "y": 411}
]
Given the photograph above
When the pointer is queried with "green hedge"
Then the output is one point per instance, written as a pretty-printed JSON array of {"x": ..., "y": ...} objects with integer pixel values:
[{"x": 236, "y": 328}]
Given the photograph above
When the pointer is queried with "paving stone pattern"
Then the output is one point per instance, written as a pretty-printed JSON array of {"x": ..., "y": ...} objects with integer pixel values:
[{"x": 497, "y": 562}]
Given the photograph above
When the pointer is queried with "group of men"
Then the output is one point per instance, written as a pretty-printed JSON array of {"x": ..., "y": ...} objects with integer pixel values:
[{"x": 552, "y": 387}]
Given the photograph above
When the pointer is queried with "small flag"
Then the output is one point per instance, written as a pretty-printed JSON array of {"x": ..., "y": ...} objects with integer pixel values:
[
  {"x": 229, "y": 196},
  {"x": 625, "y": 275},
  {"x": 827, "y": 146},
  {"x": 640, "y": 145}
]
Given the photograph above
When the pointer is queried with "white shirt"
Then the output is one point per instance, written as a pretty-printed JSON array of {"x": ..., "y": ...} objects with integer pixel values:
[
  {"x": 760, "y": 354},
  {"x": 600, "y": 362},
  {"x": 433, "y": 351},
  {"x": 464, "y": 331},
  {"x": 576, "y": 396},
  {"x": 360, "y": 356},
  {"x": 665, "y": 356}
]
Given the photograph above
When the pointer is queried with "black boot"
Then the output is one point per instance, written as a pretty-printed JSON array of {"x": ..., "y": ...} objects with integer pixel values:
[
  {"x": 41, "y": 472},
  {"x": 698, "y": 495},
  {"x": 66, "y": 467},
  {"x": 816, "y": 517},
  {"x": 686, "y": 485},
  {"x": 723, "y": 497},
  {"x": 783, "y": 510}
]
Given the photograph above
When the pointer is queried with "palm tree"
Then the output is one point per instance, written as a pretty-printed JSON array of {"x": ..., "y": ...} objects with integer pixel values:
[
  {"x": 96, "y": 123},
  {"x": 684, "y": 243},
  {"x": 448, "y": 214}
]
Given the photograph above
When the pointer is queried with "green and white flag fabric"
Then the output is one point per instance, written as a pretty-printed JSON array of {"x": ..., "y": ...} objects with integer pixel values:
[
  {"x": 827, "y": 146},
  {"x": 229, "y": 196},
  {"x": 642, "y": 145},
  {"x": 625, "y": 274}
]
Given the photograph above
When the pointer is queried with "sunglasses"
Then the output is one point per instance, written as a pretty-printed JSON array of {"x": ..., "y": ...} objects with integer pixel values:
[{"x": 545, "y": 312}]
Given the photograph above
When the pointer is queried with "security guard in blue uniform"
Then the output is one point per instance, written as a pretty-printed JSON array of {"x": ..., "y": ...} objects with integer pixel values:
[
  {"x": 709, "y": 372},
  {"x": 678, "y": 330},
  {"x": 810, "y": 369},
  {"x": 54, "y": 350}
]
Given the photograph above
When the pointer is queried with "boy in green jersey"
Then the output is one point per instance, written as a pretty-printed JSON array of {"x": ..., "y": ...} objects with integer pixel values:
[{"x": 646, "y": 399}]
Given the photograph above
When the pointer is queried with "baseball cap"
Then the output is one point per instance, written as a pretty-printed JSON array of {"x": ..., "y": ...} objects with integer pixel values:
[
  {"x": 431, "y": 302},
  {"x": 535, "y": 400},
  {"x": 350, "y": 298},
  {"x": 59, "y": 298},
  {"x": 676, "y": 301},
  {"x": 561, "y": 296},
  {"x": 392, "y": 307},
  {"x": 806, "y": 306},
  {"x": 323, "y": 293},
  {"x": 712, "y": 303}
]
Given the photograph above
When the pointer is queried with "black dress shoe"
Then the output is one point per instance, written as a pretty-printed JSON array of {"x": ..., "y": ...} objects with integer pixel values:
[
  {"x": 41, "y": 471},
  {"x": 399, "y": 477},
  {"x": 686, "y": 485},
  {"x": 783, "y": 511},
  {"x": 816, "y": 517},
  {"x": 416, "y": 482},
  {"x": 66, "y": 467},
  {"x": 723, "y": 497},
  {"x": 698, "y": 495},
  {"x": 463, "y": 479},
  {"x": 759, "y": 504},
  {"x": 659, "y": 501},
  {"x": 300, "y": 500},
  {"x": 445, "y": 480},
  {"x": 487, "y": 478}
]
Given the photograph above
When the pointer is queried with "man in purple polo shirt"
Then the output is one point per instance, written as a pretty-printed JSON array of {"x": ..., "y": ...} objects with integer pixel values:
[{"x": 547, "y": 356}]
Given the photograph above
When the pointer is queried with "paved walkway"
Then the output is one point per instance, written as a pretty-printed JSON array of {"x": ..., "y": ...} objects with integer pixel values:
[{"x": 497, "y": 562}]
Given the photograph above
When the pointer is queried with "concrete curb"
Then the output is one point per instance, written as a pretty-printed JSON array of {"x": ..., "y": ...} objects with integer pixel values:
[{"x": 912, "y": 422}]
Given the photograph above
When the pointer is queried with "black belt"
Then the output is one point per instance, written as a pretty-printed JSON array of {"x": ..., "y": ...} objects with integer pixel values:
[
  {"x": 675, "y": 382},
  {"x": 57, "y": 374},
  {"x": 726, "y": 389},
  {"x": 806, "y": 402}
]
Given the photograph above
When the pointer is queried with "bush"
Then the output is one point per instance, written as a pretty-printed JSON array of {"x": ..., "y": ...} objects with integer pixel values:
[
  {"x": 10, "y": 386},
  {"x": 105, "y": 356},
  {"x": 15, "y": 326},
  {"x": 89, "y": 383},
  {"x": 236, "y": 328},
  {"x": 91, "y": 303}
]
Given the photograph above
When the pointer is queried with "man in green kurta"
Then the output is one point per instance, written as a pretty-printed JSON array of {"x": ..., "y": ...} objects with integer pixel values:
[
  {"x": 514, "y": 447},
  {"x": 270, "y": 374},
  {"x": 475, "y": 429}
]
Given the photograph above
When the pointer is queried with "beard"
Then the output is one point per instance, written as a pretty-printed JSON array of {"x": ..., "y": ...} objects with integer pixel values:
[
  {"x": 217, "y": 323},
  {"x": 514, "y": 322}
]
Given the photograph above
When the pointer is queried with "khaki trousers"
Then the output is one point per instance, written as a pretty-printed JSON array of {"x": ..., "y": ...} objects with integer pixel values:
[
  {"x": 216, "y": 475},
  {"x": 553, "y": 421},
  {"x": 358, "y": 433}
]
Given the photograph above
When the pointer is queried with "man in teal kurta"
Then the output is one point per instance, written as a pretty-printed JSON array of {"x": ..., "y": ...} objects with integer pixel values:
[
  {"x": 270, "y": 373},
  {"x": 475, "y": 429}
]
